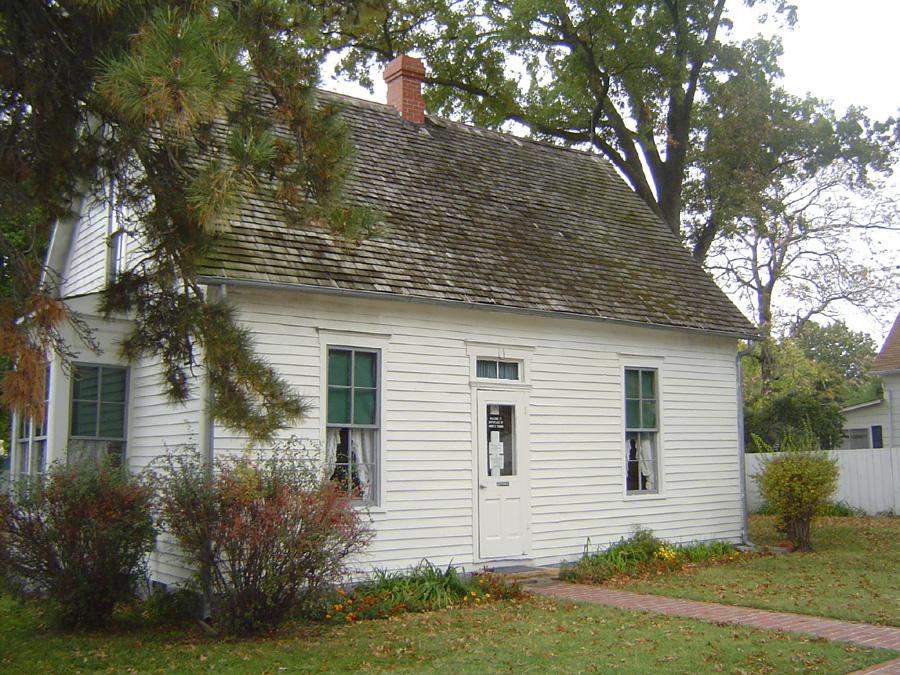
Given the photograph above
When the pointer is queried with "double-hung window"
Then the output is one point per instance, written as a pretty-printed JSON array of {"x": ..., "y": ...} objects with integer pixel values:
[
  {"x": 641, "y": 431},
  {"x": 97, "y": 416},
  {"x": 352, "y": 420},
  {"x": 30, "y": 456}
]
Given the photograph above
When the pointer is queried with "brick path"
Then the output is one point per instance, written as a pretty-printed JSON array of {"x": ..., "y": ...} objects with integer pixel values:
[{"x": 830, "y": 629}]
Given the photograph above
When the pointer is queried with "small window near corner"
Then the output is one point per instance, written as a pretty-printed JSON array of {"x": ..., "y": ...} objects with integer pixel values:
[{"x": 497, "y": 370}]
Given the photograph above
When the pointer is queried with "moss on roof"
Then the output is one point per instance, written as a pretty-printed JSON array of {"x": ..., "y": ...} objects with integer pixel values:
[{"x": 482, "y": 217}]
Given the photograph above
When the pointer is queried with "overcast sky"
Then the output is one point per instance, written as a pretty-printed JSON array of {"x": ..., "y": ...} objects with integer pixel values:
[{"x": 845, "y": 52}]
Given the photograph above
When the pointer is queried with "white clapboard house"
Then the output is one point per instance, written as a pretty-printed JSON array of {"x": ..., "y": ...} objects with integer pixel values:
[
  {"x": 871, "y": 424},
  {"x": 528, "y": 359}
]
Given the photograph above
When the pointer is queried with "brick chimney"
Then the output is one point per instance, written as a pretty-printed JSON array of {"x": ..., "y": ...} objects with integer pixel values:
[{"x": 404, "y": 87}]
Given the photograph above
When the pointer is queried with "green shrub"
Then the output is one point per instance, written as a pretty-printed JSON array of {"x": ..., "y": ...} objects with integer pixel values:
[
  {"x": 266, "y": 535},
  {"x": 839, "y": 510},
  {"x": 173, "y": 607},
  {"x": 80, "y": 538},
  {"x": 797, "y": 483}
]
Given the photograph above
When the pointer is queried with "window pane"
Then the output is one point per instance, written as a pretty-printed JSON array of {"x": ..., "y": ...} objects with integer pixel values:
[
  {"x": 647, "y": 388},
  {"x": 632, "y": 384},
  {"x": 364, "y": 370},
  {"x": 85, "y": 383},
  {"x": 112, "y": 385},
  {"x": 648, "y": 415},
  {"x": 84, "y": 418},
  {"x": 338, "y": 405},
  {"x": 112, "y": 421},
  {"x": 633, "y": 414},
  {"x": 339, "y": 367},
  {"x": 877, "y": 438},
  {"x": 508, "y": 370},
  {"x": 363, "y": 406},
  {"x": 486, "y": 369}
]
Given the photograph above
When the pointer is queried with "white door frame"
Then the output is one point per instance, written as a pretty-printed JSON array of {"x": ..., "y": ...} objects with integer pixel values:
[{"x": 502, "y": 498}]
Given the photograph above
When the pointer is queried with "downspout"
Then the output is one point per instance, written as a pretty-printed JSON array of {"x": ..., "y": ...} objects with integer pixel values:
[
  {"x": 742, "y": 450},
  {"x": 208, "y": 456}
]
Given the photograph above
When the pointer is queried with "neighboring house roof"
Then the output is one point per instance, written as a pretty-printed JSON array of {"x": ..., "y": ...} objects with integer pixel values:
[
  {"x": 860, "y": 406},
  {"x": 485, "y": 218},
  {"x": 888, "y": 358}
]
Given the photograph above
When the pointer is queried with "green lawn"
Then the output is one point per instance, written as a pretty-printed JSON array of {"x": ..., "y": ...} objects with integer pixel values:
[
  {"x": 529, "y": 637},
  {"x": 853, "y": 574}
]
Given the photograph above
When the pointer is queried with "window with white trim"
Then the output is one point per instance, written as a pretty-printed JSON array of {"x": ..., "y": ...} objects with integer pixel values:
[
  {"x": 641, "y": 431},
  {"x": 352, "y": 421},
  {"x": 30, "y": 454},
  {"x": 495, "y": 369},
  {"x": 97, "y": 414}
]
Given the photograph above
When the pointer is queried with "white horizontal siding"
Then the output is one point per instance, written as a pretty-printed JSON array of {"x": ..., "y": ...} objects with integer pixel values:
[
  {"x": 575, "y": 410},
  {"x": 575, "y": 435},
  {"x": 86, "y": 261}
]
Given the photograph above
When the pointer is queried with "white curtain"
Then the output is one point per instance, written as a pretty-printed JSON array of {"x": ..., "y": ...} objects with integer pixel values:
[
  {"x": 646, "y": 457},
  {"x": 361, "y": 456},
  {"x": 332, "y": 438},
  {"x": 362, "y": 448}
]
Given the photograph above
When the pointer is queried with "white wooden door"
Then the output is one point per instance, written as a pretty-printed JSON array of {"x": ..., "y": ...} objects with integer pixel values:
[{"x": 504, "y": 516}]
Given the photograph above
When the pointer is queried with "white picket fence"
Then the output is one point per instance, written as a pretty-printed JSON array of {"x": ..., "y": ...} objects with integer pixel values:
[{"x": 869, "y": 479}]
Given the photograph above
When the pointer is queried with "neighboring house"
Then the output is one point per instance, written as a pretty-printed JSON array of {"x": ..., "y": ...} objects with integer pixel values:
[
  {"x": 527, "y": 360},
  {"x": 871, "y": 424}
]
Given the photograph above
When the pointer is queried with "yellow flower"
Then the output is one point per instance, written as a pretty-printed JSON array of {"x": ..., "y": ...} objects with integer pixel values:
[{"x": 487, "y": 595}]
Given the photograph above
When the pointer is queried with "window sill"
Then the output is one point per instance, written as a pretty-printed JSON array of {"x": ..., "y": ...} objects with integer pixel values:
[{"x": 644, "y": 496}]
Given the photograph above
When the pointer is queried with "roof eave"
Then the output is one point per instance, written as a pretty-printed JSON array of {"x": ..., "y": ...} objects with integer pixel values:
[{"x": 213, "y": 280}]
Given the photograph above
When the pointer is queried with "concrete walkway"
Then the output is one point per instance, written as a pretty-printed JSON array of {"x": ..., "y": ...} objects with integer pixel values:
[{"x": 830, "y": 629}]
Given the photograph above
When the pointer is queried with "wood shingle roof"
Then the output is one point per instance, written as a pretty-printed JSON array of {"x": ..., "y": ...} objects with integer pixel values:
[
  {"x": 488, "y": 219},
  {"x": 888, "y": 358}
]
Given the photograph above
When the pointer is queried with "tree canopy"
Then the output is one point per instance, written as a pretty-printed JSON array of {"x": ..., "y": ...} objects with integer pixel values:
[
  {"x": 178, "y": 110},
  {"x": 806, "y": 378},
  {"x": 652, "y": 85}
]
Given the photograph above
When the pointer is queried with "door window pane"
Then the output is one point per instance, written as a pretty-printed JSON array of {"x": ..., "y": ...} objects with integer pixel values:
[{"x": 501, "y": 440}]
